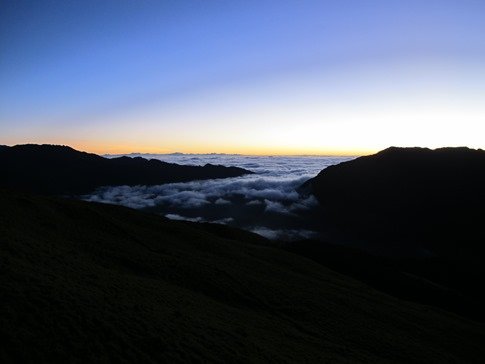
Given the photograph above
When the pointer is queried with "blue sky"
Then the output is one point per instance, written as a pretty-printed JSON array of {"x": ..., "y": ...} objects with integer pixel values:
[{"x": 264, "y": 77}]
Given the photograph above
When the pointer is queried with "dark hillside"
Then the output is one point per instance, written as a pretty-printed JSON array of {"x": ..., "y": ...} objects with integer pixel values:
[
  {"x": 427, "y": 280},
  {"x": 61, "y": 170},
  {"x": 418, "y": 212},
  {"x": 87, "y": 282},
  {"x": 418, "y": 200}
]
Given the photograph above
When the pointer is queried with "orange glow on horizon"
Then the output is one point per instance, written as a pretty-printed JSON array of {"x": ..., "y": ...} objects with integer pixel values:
[
  {"x": 100, "y": 147},
  {"x": 106, "y": 148}
]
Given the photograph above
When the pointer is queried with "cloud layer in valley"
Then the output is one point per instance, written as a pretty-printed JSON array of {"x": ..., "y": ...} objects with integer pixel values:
[{"x": 266, "y": 203}]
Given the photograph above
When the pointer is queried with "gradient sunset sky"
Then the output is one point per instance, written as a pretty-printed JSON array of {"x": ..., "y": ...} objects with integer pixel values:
[{"x": 251, "y": 77}]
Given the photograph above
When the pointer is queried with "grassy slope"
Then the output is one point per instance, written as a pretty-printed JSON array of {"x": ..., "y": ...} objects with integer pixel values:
[{"x": 93, "y": 282}]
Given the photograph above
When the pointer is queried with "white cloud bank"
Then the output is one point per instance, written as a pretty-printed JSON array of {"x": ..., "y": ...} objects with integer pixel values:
[{"x": 266, "y": 202}]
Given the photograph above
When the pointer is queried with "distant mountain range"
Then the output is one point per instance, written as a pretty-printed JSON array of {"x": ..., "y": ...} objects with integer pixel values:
[
  {"x": 61, "y": 170},
  {"x": 168, "y": 154}
]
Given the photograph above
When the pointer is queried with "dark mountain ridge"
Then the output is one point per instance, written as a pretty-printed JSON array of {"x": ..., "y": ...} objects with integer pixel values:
[
  {"x": 61, "y": 170},
  {"x": 92, "y": 282},
  {"x": 429, "y": 200},
  {"x": 410, "y": 221}
]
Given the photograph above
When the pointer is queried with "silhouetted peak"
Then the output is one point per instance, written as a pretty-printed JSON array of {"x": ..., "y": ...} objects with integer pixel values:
[
  {"x": 408, "y": 194},
  {"x": 396, "y": 150},
  {"x": 59, "y": 169},
  {"x": 44, "y": 147},
  {"x": 407, "y": 151},
  {"x": 48, "y": 150}
]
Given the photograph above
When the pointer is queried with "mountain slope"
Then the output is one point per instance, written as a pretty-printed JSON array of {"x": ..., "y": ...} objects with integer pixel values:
[
  {"x": 429, "y": 201},
  {"x": 430, "y": 281},
  {"x": 419, "y": 211},
  {"x": 88, "y": 282},
  {"x": 52, "y": 169}
]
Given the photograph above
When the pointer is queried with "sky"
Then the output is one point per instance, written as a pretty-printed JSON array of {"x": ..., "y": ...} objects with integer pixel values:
[{"x": 252, "y": 77}]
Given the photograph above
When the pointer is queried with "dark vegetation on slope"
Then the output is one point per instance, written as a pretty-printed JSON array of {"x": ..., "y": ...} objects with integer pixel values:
[
  {"x": 88, "y": 282},
  {"x": 419, "y": 212},
  {"x": 431, "y": 281},
  {"x": 61, "y": 170},
  {"x": 427, "y": 202}
]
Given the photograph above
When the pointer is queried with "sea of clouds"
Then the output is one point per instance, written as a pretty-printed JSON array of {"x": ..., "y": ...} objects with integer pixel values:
[{"x": 265, "y": 202}]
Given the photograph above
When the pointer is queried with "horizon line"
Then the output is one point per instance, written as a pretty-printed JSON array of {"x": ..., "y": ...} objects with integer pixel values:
[
  {"x": 118, "y": 151},
  {"x": 114, "y": 151}
]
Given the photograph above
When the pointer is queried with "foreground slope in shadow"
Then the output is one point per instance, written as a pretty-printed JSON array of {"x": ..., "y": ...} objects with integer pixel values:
[
  {"x": 59, "y": 170},
  {"x": 99, "y": 282},
  {"x": 418, "y": 212}
]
